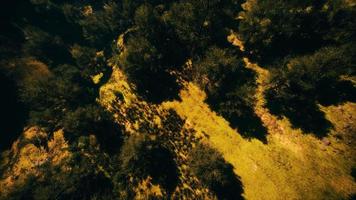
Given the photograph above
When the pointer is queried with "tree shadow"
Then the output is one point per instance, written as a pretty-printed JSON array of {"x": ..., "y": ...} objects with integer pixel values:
[
  {"x": 334, "y": 92},
  {"x": 231, "y": 188},
  {"x": 109, "y": 136},
  {"x": 215, "y": 173},
  {"x": 248, "y": 124},
  {"x": 13, "y": 113},
  {"x": 353, "y": 173},
  {"x": 156, "y": 87},
  {"x": 302, "y": 110},
  {"x": 302, "y": 114},
  {"x": 163, "y": 169}
]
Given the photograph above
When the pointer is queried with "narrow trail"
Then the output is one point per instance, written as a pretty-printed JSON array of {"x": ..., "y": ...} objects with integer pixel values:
[
  {"x": 279, "y": 128},
  {"x": 269, "y": 121}
]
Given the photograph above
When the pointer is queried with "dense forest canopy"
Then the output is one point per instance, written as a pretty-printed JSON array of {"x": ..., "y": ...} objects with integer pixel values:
[{"x": 57, "y": 54}]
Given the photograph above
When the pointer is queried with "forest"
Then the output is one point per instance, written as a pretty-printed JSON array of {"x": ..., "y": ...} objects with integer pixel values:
[{"x": 87, "y": 87}]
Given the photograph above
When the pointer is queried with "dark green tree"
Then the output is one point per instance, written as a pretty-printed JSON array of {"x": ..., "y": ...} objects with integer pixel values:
[
  {"x": 230, "y": 88},
  {"x": 142, "y": 157},
  {"x": 199, "y": 24},
  {"x": 273, "y": 29},
  {"x": 304, "y": 81}
]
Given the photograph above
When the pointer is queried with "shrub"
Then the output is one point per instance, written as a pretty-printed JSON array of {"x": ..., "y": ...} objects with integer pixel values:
[
  {"x": 230, "y": 88},
  {"x": 273, "y": 29},
  {"x": 142, "y": 157},
  {"x": 304, "y": 81}
]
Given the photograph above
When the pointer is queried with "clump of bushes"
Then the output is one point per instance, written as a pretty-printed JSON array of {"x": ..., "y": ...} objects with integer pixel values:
[
  {"x": 142, "y": 157},
  {"x": 299, "y": 83}
]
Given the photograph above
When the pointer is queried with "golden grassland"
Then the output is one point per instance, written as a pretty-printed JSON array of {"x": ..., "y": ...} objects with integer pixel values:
[{"x": 293, "y": 165}]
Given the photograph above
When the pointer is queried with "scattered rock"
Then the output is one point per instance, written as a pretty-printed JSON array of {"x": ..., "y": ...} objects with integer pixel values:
[{"x": 326, "y": 141}]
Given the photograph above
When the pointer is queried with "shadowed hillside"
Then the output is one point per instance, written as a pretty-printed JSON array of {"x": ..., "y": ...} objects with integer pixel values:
[{"x": 183, "y": 99}]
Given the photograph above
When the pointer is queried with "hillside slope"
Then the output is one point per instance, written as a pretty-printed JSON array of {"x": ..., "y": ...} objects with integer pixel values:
[
  {"x": 293, "y": 165},
  {"x": 185, "y": 99}
]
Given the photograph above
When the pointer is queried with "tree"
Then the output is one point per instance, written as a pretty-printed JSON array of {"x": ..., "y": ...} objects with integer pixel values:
[
  {"x": 93, "y": 119},
  {"x": 215, "y": 69},
  {"x": 150, "y": 57},
  {"x": 83, "y": 181},
  {"x": 230, "y": 88},
  {"x": 303, "y": 81},
  {"x": 100, "y": 27},
  {"x": 273, "y": 29},
  {"x": 44, "y": 46},
  {"x": 199, "y": 24},
  {"x": 142, "y": 157}
]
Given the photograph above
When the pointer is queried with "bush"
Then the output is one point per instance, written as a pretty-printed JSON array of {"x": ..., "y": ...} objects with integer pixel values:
[
  {"x": 83, "y": 181},
  {"x": 273, "y": 29},
  {"x": 217, "y": 70},
  {"x": 148, "y": 65},
  {"x": 142, "y": 157},
  {"x": 93, "y": 119},
  {"x": 304, "y": 81},
  {"x": 100, "y": 28},
  {"x": 199, "y": 24},
  {"x": 230, "y": 88},
  {"x": 45, "y": 46}
]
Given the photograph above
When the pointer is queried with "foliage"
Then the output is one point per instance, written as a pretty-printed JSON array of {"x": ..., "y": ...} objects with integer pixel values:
[
  {"x": 166, "y": 35},
  {"x": 306, "y": 80},
  {"x": 273, "y": 29},
  {"x": 230, "y": 88},
  {"x": 82, "y": 181},
  {"x": 142, "y": 157},
  {"x": 46, "y": 47},
  {"x": 60, "y": 48},
  {"x": 216, "y": 68},
  {"x": 101, "y": 27},
  {"x": 61, "y": 87},
  {"x": 308, "y": 45},
  {"x": 199, "y": 24},
  {"x": 93, "y": 119},
  {"x": 148, "y": 60}
]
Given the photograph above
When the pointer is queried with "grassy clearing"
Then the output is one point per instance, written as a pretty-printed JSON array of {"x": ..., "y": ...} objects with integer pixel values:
[{"x": 292, "y": 165}]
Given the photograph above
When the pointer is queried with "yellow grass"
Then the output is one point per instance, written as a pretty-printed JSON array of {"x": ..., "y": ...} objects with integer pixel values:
[
  {"x": 290, "y": 166},
  {"x": 28, "y": 159},
  {"x": 293, "y": 165}
]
